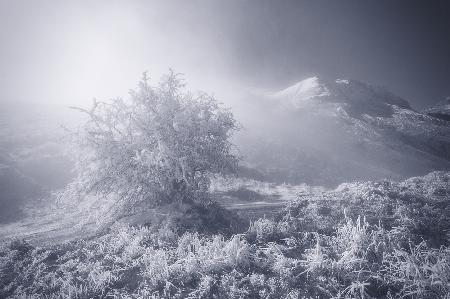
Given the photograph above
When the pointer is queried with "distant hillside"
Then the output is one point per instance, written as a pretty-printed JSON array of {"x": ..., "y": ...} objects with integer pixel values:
[
  {"x": 33, "y": 161},
  {"x": 325, "y": 132},
  {"x": 440, "y": 110}
]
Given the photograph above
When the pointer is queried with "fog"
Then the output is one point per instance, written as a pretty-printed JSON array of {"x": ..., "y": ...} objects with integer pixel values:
[
  {"x": 224, "y": 149},
  {"x": 56, "y": 54},
  {"x": 72, "y": 51}
]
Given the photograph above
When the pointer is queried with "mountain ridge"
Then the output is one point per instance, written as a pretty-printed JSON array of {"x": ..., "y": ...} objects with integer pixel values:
[{"x": 351, "y": 129}]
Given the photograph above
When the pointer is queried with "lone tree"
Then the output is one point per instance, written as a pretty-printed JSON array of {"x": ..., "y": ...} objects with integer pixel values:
[{"x": 159, "y": 146}]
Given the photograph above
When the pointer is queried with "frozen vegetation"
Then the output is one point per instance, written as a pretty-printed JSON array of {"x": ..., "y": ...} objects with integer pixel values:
[
  {"x": 163, "y": 205},
  {"x": 361, "y": 240}
]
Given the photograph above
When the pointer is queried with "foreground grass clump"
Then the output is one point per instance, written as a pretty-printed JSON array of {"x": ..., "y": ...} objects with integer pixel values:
[
  {"x": 308, "y": 252},
  {"x": 420, "y": 206}
]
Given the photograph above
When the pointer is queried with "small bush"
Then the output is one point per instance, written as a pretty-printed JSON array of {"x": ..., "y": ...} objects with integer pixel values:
[{"x": 158, "y": 147}]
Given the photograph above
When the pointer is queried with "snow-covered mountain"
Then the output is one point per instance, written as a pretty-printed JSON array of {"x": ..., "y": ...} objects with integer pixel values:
[
  {"x": 322, "y": 131},
  {"x": 440, "y": 110}
]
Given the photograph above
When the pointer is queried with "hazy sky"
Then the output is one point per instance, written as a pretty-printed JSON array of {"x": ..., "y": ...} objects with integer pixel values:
[{"x": 71, "y": 51}]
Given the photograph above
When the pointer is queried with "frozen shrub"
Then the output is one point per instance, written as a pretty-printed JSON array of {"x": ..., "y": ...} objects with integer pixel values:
[
  {"x": 420, "y": 272},
  {"x": 159, "y": 146},
  {"x": 352, "y": 242},
  {"x": 156, "y": 268},
  {"x": 262, "y": 230},
  {"x": 419, "y": 206}
]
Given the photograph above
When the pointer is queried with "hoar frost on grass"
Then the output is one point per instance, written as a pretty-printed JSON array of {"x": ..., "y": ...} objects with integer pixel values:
[{"x": 308, "y": 251}]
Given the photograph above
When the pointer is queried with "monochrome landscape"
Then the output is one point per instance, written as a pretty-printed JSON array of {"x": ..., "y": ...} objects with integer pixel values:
[{"x": 203, "y": 149}]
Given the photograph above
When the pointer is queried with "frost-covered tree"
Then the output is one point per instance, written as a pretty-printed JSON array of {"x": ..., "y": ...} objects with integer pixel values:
[{"x": 159, "y": 146}]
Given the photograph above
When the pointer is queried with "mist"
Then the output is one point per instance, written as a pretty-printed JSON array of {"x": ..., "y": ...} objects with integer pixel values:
[
  {"x": 60, "y": 54},
  {"x": 70, "y": 52},
  {"x": 235, "y": 149}
]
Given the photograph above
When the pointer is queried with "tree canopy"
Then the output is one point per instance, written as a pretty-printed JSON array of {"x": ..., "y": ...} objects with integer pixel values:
[{"x": 159, "y": 146}]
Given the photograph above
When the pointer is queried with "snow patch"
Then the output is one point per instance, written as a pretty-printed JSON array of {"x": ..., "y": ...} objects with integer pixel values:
[
  {"x": 343, "y": 81},
  {"x": 303, "y": 91}
]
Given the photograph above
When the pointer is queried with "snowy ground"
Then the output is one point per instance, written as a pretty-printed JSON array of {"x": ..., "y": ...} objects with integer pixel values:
[{"x": 249, "y": 198}]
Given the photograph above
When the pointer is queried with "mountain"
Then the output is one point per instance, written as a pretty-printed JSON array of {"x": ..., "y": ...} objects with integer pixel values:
[
  {"x": 440, "y": 110},
  {"x": 322, "y": 131}
]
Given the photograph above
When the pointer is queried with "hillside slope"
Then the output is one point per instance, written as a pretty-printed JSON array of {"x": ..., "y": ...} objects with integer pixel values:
[
  {"x": 325, "y": 132},
  {"x": 362, "y": 240},
  {"x": 440, "y": 110}
]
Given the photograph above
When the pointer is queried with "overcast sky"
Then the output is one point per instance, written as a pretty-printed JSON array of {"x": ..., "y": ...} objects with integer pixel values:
[{"x": 72, "y": 51}]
